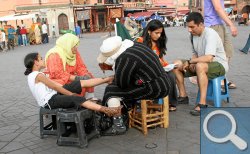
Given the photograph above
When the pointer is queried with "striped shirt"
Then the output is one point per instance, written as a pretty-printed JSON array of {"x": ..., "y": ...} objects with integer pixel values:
[{"x": 138, "y": 63}]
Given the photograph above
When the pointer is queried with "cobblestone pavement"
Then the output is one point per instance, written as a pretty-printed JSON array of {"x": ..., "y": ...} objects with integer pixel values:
[{"x": 19, "y": 122}]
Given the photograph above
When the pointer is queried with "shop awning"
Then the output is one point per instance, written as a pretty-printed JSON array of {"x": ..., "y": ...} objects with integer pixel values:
[
  {"x": 17, "y": 17},
  {"x": 182, "y": 12},
  {"x": 228, "y": 10},
  {"x": 143, "y": 14}
]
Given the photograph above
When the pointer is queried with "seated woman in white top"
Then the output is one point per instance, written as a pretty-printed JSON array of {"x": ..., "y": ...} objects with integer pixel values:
[{"x": 51, "y": 95}]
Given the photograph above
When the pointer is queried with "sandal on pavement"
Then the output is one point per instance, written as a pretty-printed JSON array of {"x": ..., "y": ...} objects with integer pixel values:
[
  {"x": 231, "y": 85},
  {"x": 243, "y": 51},
  {"x": 172, "y": 108},
  {"x": 195, "y": 112},
  {"x": 183, "y": 100}
]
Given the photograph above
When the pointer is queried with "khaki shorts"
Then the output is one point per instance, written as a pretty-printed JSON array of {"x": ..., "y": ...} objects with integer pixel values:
[
  {"x": 215, "y": 69},
  {"x": 226, "y": 40}
]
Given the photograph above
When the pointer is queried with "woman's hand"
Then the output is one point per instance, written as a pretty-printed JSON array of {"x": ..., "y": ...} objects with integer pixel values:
[
  {"x": 109, "y": 79},
  {"x": 72, "y": 77}
]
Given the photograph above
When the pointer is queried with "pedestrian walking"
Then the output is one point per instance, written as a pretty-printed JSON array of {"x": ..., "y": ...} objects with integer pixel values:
[
  {"x": 45, "y": 38},
  {"x": 11, "y": 37},
  {"x": 247, "y": 46},
  {"x": 23, "y": 32},
  {"x": 215, "y": 17},
  {"x": 19, "y": 36}
]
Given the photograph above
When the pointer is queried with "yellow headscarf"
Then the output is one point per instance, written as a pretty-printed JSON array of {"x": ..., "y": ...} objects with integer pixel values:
[{"x": 64, "y": 45}]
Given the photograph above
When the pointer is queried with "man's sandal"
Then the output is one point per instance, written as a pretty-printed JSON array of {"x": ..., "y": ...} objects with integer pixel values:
[
  {"x": 197, "y": 112},
  {"x": 172, "y": 108},
  {"x": 231, "y": 85}
]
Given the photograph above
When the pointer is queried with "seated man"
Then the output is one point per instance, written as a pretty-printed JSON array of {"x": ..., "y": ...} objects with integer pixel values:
[
  {"x": 208, "y": 60},
  {"x": 138, "y": 74}
]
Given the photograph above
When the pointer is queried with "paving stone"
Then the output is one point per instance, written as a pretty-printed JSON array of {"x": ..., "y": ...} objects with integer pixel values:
[
  {"x": 2, "y": 144},
  {"x": 8, "y": 137},
  {"x": 21, "y": 151},
  {"x": 12, "y": 146},
  {"x": 173, "y": 152}
]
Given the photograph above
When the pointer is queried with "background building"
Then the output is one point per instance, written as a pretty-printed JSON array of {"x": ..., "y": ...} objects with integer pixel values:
[
  {"x": 97, "y": 15},
  {"x": 162, "y": 6}
]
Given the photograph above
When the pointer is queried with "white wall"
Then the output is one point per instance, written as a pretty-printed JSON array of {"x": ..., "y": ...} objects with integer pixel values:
[{"x": 52, "y": 16}]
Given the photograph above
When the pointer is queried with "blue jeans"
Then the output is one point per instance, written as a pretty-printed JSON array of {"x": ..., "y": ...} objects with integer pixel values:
[
  {"x": 247, "y": 46},
  {"x": 20, "y": 40},
  {"x": 24, "y": 37}
]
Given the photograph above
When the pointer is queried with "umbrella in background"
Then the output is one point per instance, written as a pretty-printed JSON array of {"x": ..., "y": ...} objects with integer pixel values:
[
  {"x": 129, "y": 14},
  {"x": 140, "y": 18},
  {"x": 121, "y": 31},
  {"x": 228, "y": 10},
  {"x": 157, "y": 17}
]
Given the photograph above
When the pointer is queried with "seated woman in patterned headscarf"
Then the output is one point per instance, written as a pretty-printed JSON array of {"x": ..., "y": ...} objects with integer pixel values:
[{"x": 64, "y": 63}]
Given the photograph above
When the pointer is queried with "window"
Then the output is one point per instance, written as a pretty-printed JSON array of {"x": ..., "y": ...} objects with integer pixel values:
[{"x": 99, "y": 1}]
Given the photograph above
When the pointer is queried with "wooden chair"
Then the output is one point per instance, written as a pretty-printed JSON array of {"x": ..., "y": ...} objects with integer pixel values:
[{"x": 149, "y": 114}]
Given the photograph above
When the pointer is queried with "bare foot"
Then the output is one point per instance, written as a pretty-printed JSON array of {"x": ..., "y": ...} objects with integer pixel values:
[{"x": 111, "y": 111}]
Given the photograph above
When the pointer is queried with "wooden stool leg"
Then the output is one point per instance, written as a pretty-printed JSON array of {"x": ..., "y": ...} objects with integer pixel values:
[
  {"x": 166, "y": 112},
  {"x": 144, "y": 116},
  {"x": 131, "y": 115}
]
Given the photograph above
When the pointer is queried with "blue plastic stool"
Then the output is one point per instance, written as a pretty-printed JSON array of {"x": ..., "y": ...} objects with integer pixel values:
[{"x": 214, "y": 91}]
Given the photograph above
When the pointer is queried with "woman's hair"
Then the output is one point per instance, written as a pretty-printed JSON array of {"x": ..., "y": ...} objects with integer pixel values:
[
  {"x": 29, "y": 62},
  {"x": 161, "y": 42}
]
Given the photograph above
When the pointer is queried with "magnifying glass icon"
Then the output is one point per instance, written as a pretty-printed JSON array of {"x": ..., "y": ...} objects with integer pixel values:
[{"x": 237, "y": 141}]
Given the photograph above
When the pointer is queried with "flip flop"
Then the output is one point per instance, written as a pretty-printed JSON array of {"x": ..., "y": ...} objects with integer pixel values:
[
  {"x": 231, "y": 85},
  {"x": 172, "y": 108}
]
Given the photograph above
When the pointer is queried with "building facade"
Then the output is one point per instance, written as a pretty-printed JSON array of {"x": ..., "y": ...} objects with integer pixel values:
[
  {"x": 97, "y": 15},
  {"x": 162, "y": 6},
  {"x": 91, "y": 15}
]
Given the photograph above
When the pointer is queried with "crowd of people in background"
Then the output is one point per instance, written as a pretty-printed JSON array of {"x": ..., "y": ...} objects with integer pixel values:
[
  {"x": 23, "y": 36},
  {"x": 136, "y": 24},
  {"x": 38, "y": 33}
]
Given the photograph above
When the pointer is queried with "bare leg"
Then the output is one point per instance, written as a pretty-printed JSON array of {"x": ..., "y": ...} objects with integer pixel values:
[
  {"x": 110, "y": 111},
  {"x": 180, "y": 79},
  {"x": 201, "y": 71}
]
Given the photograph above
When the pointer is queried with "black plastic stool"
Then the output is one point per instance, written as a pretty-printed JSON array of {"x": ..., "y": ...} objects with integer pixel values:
[
  {"x": 51, "y": 128},
  {"x": 79, "y": 118}
]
